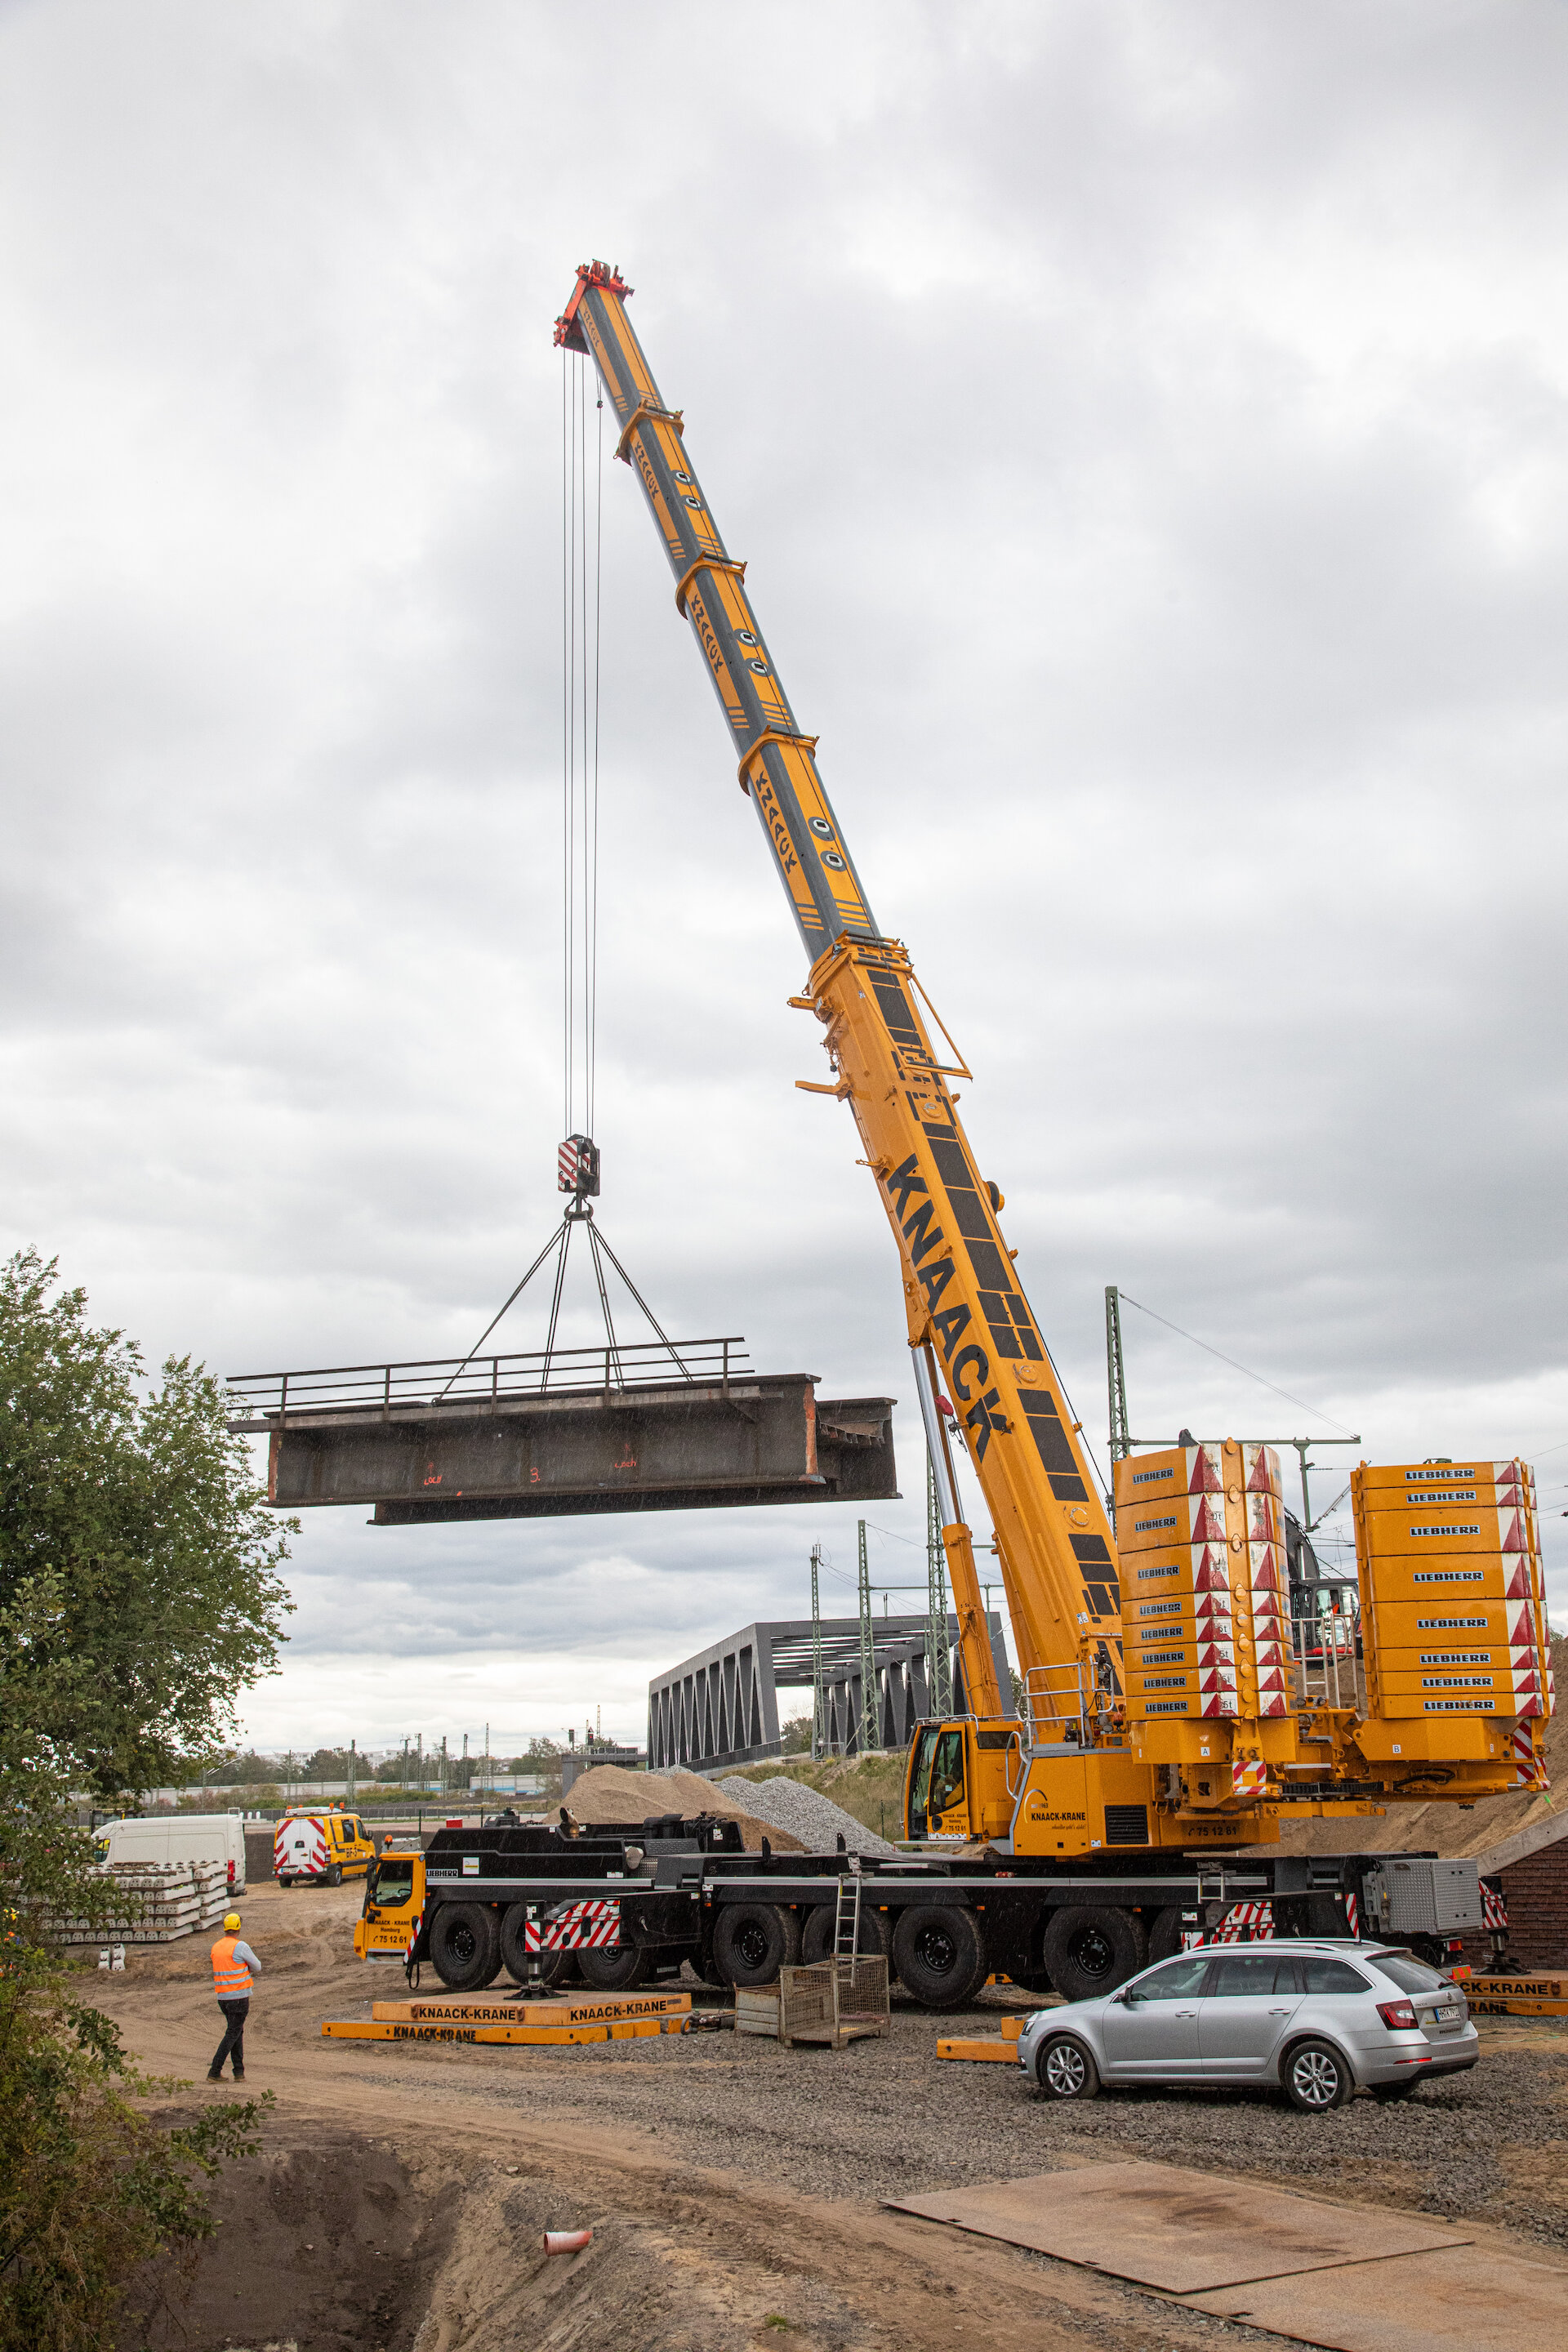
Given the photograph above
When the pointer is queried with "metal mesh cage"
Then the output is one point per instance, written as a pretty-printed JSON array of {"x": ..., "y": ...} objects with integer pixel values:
[{"x": 833, "y": 2001}]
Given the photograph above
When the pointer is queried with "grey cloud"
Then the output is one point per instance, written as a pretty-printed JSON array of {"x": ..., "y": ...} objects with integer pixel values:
[{"x": 1146, "y": 431}]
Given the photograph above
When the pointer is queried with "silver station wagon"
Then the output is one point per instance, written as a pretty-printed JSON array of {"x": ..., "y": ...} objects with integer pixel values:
[{"x": 1316, "y": 2016}]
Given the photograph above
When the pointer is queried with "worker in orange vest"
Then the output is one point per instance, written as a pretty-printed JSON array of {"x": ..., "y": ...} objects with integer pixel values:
[{"x": 235, "y": 1965}]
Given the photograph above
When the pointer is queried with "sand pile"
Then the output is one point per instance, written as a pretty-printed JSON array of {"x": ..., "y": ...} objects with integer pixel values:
[{"x": 609, "y": 1797}]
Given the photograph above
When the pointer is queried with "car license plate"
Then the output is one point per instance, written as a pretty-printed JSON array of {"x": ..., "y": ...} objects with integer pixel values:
[{"x": 1449, "y": 2016}]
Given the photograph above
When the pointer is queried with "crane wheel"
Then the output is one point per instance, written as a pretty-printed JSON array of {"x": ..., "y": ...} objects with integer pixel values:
[
  {"x": 816, "y": 1943},
  {"x": 1165, "y": 1933},
  {"x": 465, "y": 1945},
  {"x": 752, "y": 1941},
  {"x": 616, "y": 1969},
  {"x": 939, "y": 1952},
  {"x": 1089, "y": 1949}
]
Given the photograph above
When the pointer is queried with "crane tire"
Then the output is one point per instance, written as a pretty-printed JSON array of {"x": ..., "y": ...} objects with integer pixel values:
[
  {"x": 752, "y": 1941},
  {"x": 616, "y": 1969},
  {"x": 1165, "y": 1933},
  {"x": 821, "y": 1924},
  {"x": 465, "y": 1945},
  {"x": 939, "y": 1952},
  {"x": 1090, "y": 1948}
]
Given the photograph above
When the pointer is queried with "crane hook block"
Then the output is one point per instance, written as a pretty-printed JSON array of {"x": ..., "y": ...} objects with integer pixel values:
[{"x": 577, "y": 1167}]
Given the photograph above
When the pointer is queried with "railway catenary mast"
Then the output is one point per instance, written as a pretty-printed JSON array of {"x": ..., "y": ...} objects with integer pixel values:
[{"x": 1090, "y": 1766}]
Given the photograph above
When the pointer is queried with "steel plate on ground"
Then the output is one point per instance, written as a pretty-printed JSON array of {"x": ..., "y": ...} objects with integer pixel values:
[
  {"x": 1164, "y": 2226},
  {"x": 1466, "y": 2299}
]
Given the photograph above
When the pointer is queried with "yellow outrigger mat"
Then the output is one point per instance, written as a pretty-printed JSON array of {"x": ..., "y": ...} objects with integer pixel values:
[
  {"x": 548, "y": 2037},
  {"x": 1004, "y": 2050},
  {"x": 578, "y": 2009}
]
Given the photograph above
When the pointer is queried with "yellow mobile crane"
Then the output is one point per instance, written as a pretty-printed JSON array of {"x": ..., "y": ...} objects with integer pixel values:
[{"x": 1096, "y": 1758}]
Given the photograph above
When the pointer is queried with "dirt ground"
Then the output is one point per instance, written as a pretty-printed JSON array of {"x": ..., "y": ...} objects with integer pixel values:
[{"x": 403, "y": 2190}]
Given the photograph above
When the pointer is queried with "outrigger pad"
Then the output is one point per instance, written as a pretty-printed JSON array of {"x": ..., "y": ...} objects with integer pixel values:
[{"x": 765, "y": 1439}]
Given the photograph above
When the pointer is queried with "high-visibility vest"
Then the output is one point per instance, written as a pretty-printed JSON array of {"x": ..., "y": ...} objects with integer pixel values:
[{"x": 231, "y": 1977}]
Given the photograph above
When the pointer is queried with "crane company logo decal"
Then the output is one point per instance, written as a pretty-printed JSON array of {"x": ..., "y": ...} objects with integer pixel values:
[
  {"x": 656, "y": 499},
  {"x": 984, "y": 1412},
  {"x": 773, "y": 818},
  {"x": 714, "y": 652},
  {"x": 1037, "y": 1812}
]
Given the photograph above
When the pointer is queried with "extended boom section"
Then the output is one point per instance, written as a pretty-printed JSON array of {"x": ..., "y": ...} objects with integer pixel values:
[
  {"x": 963, "y": 1296},
  {"x": 774, "y": 760}
]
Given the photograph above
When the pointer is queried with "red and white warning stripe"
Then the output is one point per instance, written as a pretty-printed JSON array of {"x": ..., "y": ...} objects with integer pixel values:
[
  {"x": 595, "y": 1922},
  {"x": 1494, "y": 1907},
  {"x": 1248, "y": 1776},
  {"x": 1529, "y": 1768},
  {"x": 1253, "y": 1920}
]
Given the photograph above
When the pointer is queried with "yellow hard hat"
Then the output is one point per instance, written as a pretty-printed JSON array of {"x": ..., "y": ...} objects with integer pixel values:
[{"x": 232, "y": 1919}]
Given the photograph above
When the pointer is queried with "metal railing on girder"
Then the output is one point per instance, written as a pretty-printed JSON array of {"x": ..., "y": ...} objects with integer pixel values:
[{"x": 463, "y": 1383}]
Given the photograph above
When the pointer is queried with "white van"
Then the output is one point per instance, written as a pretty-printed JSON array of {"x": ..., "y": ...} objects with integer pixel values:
[{"x": 178, "y": 1837}]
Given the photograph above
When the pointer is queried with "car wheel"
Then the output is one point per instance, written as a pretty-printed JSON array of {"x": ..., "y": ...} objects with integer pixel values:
[
  {"x": 285, "y": 1882},
  {"x": 1384, "y": 2092},
  {"x": 1064, "y": 2068},
  {"x": 1316, "y": 2078},
  {"x": 939, "y": 1953},
  {"x": 752, "y": 1941},
  {"x": 1089, "y": 1950},
  {"x": 465, "y": 1945},
  {"x": 616, "y": 1970},
  {"x": 816, "y": 1943},
  {"x": 335, "y": 1875}
]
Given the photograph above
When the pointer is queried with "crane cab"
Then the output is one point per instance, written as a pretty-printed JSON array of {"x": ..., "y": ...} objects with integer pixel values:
[
  {"x": 962, "y": 1778},
  {"x": 394, "y": 1900}
]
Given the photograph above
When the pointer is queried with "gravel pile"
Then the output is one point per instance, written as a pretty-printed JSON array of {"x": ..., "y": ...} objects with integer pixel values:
[{"x": 816, "y": 1820}]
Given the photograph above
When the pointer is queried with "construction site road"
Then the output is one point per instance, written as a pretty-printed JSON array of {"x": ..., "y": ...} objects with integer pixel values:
[{"x": 732, "y": 2186}]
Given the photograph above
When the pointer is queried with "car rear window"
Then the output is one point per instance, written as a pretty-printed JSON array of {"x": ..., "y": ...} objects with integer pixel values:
[
  {"x": 1410, "y": 1976},
  {"x": 1255, "y": 1973},
  {"x": 1331, "y": 1975}
]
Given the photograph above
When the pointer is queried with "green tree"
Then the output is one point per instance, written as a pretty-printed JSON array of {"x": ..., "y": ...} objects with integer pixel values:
[
  {"x": 89, "y": 2185},
  {"x": 133, "y": 1540}
]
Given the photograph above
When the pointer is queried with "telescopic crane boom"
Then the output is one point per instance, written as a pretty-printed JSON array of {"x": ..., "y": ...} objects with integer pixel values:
[
  {"x": 1091, "y": 1759},
  {"x": 964, "y": 1304}
]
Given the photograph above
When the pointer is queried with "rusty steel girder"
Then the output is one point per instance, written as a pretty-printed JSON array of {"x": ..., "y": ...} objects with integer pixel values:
[{"x": 680, "y": 1446}]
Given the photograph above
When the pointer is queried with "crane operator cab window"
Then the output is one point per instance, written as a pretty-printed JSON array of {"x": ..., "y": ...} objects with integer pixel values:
[
  {"x": 390, "y": 1882},
  {"x": 938, "y": 1783}
]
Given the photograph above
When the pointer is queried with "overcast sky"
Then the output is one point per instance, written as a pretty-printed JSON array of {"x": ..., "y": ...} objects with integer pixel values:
[{"x": 1146, "y": 429}]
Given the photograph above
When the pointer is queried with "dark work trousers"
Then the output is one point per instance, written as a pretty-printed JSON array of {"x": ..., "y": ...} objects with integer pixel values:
[{"x": 233, "y": 2043}]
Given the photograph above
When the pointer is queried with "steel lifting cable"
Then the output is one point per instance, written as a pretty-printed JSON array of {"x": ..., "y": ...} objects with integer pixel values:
[
  {"x": 582, "y": 609},
  {"x": 581, "y": 547}
]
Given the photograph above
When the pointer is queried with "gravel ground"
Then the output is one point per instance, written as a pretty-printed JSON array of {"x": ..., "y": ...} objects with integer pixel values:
[
  {"x": 791, "y": 1805},
  {"x": 889, "y": 2118}
]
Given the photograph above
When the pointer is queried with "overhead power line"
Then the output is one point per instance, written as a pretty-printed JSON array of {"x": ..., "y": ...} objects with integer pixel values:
[{"x": 1245, "y": 1370}]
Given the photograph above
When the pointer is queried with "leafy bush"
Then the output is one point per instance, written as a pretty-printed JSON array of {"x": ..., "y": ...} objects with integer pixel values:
[{"x": 89, "y": 2187}]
